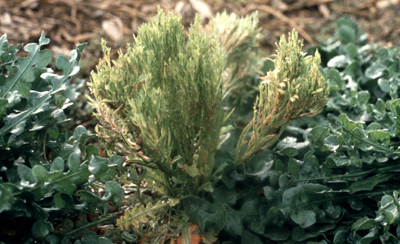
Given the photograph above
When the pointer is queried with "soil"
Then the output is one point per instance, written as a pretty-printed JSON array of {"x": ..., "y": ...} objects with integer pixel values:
[{"x": 70, "y": 22}]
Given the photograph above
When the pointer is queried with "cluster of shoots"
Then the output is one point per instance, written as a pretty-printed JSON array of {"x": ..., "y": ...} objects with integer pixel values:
[
  {"x": 294, "y": 89},
  {"x": 239, "y": 39},
  {"x": 161, "y": 103}
]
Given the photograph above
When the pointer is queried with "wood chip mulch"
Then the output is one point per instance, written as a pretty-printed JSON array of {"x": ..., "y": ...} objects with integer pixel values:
[{"x": 70, "y": 22}]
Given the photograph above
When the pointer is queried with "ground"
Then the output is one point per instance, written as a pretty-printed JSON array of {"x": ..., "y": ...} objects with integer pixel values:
[{"x": 70, "y": 22}]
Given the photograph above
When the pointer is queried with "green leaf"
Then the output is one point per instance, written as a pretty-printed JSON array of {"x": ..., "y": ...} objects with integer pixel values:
[
  {"x": 116, "y": 161},
  {"x": 300, "y": 197},
  {"x": 363, "y": 224},
  {"x": 206, "y": 215},
  {"x": 234, "y": 222},
  {"x": 346, "y": 34},
  {"x": 372, "y": 235},
  {"x": 304, "y": 218},
  {"x": 54, "y": 239},
  {"x": 25, "y": 68},
  {"x": 368, "y": 184},
  {"x": 25, "y": 173},
  {"x": 333, "y": 211},
  {"x": 340, "y": 237},
  {"x": 105, "y": 169},
  {"x": 91, "y": 237},
  {"x": 383, "y": 54},
  {"x": 114, "y": 192},
  {"x": 290, "y": 152},
  {"x": 338, "y": 62},
  {"x": 336, "y": 83},
  {"x": 317, "y": 137},
  {"x": 57, "y": 165},
  {"x": 6, "y": 198},
  {"x": 41, "y": 228},
  {"x": 98, "y": 166},
  {"x": 353, "y": 68},
  {"x": 73, "y": 162},
  {"x": 249, "y": 237},
  {"x": 395, "y": 107},
  {"x": 91, "y": 150},
  {"x": 385, "y": 85},
  {"x": 375, "y": 71},
  {"x": 362, "y": 97},
  {"x": 91, "y": 198},
  {"x": 224, "y": 194},
  {"x": 390, "y": 209},
  {"x": 351, "y": 51},
  {"x": 21, "y": 81},
  {"x": 299, "y": 234},
  {"x": 79, "y": 132},
  {"x": 63, "y": 200},
  {"x": 41, "y": 174},
  {"x": 277, "y": 234}
]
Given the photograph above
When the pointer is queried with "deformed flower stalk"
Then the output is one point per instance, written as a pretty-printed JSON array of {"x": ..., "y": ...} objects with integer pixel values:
[
  {"x": 239, "y": 39},
  {"x": 294, "y": 89},
  {"x": 162, "y": 101}
]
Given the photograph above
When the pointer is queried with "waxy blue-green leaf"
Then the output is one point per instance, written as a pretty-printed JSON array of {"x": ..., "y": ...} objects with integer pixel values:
[
  {"x": 299, "y": 234},
  {"x": 395, "y": 107},
  {"x": 204, "y": 213},
  {"x": 333, "y": 211},
  {"x": 6, "y": 198},
  {"x": 301, "y": 198},
  {"x": 336, "y": 83},
  {"x": 390, "y": 207},
  {"x": 38, "y": 101},
  {"x": 346, "y": 34},
  {"x": 304, "y": 218},
  {"x": 363, "y": 224},
  {"x": 41, "y": 228},
  {"x": 90, "y": 198},
  {"x": 375, "y": 71},
  {"x": 25, "y": 173},
  {"x": 57, "y": 165},
  {"x": 338, "y": 62},
  {"x": 63, "y": 200},
  {"x": 368, "y": 184},
  {"x": 352, "y": 51},
  {"x": 25, "y": 68},
  {"x": 277, "y": 234},
  {"x": 91, "y": 237},
  {"x": 114, "y": 192}
]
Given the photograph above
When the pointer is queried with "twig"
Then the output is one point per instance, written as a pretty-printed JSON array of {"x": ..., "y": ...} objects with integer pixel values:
[
  {"x": 282, "y": 17},
  {"x": 307, "y": 3},
  {"x": 366, "y": 4},
  {"x": 44, "y": 146},
  {"x": 138, "y": 192},
  {"x": 351, "y": 10},
  {"x": 310, "y": 3}
]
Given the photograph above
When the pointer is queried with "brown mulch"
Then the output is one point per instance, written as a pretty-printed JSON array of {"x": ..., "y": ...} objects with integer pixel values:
[{"x": 70, "y": 22}]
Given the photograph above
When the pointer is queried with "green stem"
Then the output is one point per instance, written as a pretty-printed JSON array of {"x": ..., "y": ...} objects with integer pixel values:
[
  {"x": 337, "y": 176},
  {"x": 54, "y": 182},
  {"x": 370, "y": 143},
  {"x": 94, "y": 224}
]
